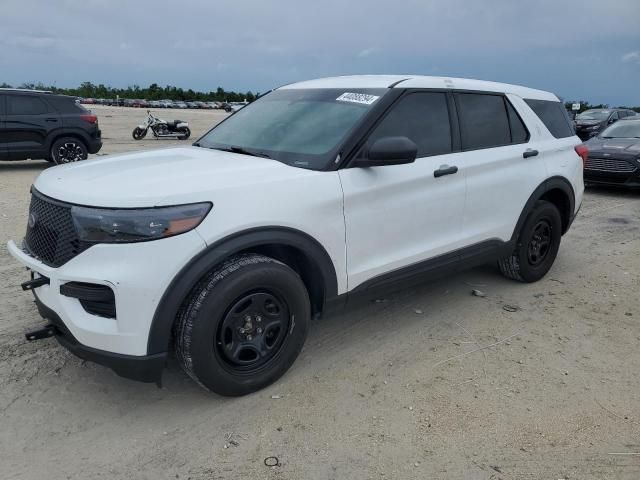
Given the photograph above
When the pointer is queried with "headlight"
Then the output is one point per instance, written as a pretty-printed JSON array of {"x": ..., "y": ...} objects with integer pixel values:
[{"x": 102, "y": 225}]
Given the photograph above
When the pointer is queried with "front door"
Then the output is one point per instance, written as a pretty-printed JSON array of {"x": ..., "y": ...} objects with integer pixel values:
[
  {"x": 401, "y": 215},
  {"x": 27, "y": 123}
]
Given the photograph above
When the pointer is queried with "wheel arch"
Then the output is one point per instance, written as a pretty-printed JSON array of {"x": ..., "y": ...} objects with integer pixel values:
[
  {"x": 67, "y": 133},
  {"x": 297, "y": 249},
  {"x": 557, "y": 190}
]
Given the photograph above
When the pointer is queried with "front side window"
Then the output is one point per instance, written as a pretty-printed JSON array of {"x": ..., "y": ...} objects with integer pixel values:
[
  {"x": 484, "y": 122},
  {"x": 421, "y": 117},
  {"x": 299, "y": 127},
  {"x": 25, "y": 105}
]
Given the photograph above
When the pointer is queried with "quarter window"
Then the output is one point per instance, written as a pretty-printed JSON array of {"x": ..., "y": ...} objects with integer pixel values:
[
  {"x": 554, "y": 116},
  {"x": 25, "y": 105},
  {"x": 421, "y": 117}
]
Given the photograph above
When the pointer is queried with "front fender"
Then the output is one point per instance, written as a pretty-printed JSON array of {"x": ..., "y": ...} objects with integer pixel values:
[{"x": 201, "y": 264}]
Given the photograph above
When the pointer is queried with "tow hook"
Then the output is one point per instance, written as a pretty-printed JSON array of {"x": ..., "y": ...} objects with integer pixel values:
[
  {"x": 45, "y": 332},
  {"x": 35, "y": 283}
]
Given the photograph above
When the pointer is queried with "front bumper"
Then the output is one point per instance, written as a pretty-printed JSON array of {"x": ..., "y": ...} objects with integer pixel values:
[
  {"x": 147, "y": 368},
  {"x": 137, "y": 273},
  {"x": 614, "y": 179}
]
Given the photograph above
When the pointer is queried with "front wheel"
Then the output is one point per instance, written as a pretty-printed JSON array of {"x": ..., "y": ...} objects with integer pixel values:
[
  {"x": 184, "y": 133},
  {"x": 139, "y": 133},
  {"x": 537, "y": 247},
  {"x": 243, "y": 325},
  {"x": 68, "y": 150}
]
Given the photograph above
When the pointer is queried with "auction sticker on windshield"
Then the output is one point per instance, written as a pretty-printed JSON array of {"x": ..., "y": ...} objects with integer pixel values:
[{"x": 363, "y": 98}]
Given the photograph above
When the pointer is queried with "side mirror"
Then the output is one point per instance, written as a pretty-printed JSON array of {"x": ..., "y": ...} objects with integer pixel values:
[
  {"x": 389, "y": 151},
  {"x": 611, "y": 120}
]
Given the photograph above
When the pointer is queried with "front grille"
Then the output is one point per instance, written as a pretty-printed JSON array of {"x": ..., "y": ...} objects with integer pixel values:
[
  {"x": 51, "y": 236},
  {"x": 609, "y": 165}
]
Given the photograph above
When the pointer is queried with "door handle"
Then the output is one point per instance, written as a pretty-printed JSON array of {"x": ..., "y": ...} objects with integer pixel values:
[
  {"x": 51, "y": 119},
  {"x": 445, "y": 170},
  {"x": 529, "y": 153}
]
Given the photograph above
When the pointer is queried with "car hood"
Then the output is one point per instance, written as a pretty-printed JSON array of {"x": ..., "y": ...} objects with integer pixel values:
[
  {"x": 587, "y": 122},
  {"x": 623, "y": 146},
  {"x": 161, "y": 177}
]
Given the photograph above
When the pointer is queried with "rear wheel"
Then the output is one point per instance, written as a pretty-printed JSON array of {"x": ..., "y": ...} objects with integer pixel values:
[
  {"x": 243, "y": 325},
  {"x": 185, "y": 133},
  {"x": 537, "y": 247},
  {"x": 68, "y": 150}
]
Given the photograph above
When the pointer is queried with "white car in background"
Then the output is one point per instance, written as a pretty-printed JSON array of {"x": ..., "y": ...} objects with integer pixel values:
[{"x": 316, "y": 192}]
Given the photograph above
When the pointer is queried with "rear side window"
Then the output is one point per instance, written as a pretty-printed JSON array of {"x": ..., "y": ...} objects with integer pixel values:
[
  {"x": 66, "y": 104},
  {"x": 25, "y": 105},
  {"x": 519, "y": 133},
  {"x": 554, "y": 116},
  {"x": 421, "y": 117},
  {"x": 484, "y": 121}
]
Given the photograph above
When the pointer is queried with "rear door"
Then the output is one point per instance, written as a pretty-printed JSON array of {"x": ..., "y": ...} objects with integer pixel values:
[
  {"x": 4, "y": 154},
  {"x": 398, "y": 216},
  {"x": 501, "y": 162},
  {"x": 27, "y": 122}
]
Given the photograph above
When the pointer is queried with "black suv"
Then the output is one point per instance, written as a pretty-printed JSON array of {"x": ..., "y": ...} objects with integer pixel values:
[
  {"x": 41, "y": 125},
  {"x": 591, "y": 122}
]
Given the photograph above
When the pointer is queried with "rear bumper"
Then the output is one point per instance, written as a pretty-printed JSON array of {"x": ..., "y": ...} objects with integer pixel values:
[
  {"x": 141, "y": 368},
  {"x": 95, "y": 144}
]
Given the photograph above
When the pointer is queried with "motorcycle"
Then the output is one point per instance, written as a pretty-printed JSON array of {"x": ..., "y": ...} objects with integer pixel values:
[{"x": 162, "y": 129}]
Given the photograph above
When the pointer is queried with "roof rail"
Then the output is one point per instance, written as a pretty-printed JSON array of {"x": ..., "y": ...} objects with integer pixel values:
[{"x": 24, "y": 90}]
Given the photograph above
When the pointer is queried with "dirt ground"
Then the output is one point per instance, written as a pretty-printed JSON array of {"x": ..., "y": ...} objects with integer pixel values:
[{"x": 428, "y": 383}]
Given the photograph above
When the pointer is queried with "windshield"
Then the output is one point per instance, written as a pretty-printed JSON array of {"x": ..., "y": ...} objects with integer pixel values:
[
  {"x": 594, "y": 115},
  {"x": 623, "y": 129},
  {"x": 299, "y": 127}
]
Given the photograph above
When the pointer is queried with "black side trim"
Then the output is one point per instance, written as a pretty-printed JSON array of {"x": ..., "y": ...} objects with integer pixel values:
[
  {"x": 442, "y": 265},
  {"x": 143, "y": 369},
  {"x": 200, "y": 265}
]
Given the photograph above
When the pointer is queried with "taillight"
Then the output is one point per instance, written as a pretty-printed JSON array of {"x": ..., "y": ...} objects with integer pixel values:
[
  {"x": 583, "y": 151},
  {"x": 89, "y": 118}
]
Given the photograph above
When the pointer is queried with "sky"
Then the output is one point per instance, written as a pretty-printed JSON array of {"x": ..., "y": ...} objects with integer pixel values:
[{"x": 578, "y": 49}]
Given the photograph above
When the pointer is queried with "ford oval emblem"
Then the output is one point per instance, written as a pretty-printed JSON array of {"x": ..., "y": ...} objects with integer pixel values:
[{"x": 32, "y": 220}]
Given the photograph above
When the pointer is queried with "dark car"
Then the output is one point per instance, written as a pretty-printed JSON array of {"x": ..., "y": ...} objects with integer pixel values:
[
  {"x": 591, "y": 122},
  {"x": 614, "y": 155},
  {"x": 41, "y": 125}
]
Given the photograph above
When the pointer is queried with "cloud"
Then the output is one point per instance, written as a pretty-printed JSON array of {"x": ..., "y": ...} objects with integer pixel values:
[
  {"x": 367, "y": 52},
  {"x": 30, "y": 41},
  {"x": 631, "y": 57}
]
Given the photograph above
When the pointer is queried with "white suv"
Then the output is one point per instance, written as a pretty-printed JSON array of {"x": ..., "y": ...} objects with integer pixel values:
[{"x": 224, "y": 251}]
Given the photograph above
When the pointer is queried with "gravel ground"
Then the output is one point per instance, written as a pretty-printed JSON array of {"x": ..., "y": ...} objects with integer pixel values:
[{"x": 431, "y": 382}]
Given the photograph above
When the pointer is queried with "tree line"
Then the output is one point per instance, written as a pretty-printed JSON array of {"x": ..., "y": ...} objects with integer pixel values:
[{"x": 152, "y": 92}]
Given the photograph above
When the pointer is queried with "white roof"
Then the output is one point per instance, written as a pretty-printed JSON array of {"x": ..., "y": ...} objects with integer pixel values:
[{"x": 421, "y": 81}]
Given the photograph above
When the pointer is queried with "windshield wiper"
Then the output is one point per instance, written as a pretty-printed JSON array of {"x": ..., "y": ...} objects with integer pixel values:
[{"x": 242, "y": 151}]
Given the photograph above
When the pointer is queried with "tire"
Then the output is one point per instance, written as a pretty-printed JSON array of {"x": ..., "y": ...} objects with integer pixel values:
[
  {"x": 218, "y": 338},
  {"x": 537, "y": 245},
  {"x": 186, "y": 133},
  {"x": 139, "y": 133},
  {"x": 68, "y": 150}
]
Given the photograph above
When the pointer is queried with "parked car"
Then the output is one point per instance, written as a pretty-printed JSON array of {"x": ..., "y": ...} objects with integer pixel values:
[
  {"x": 179, "y": 104},
  {"x": 316, "y": 191},
  {"x": 591, "y": 122},
  {"x": 202, "y": 105},
  {"x": 166, "y": 103},
  {"x": 192, "y": 105},
  {"x": 614, "y": 155},
  {"x": 40, "y": 125}
]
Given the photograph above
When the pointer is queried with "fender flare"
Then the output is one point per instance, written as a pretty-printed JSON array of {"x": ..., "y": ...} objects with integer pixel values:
[
  {"x": 551, "y": 183},
  {"x": 67, "y": 132},
  {"x": 201, "y": 264}
]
